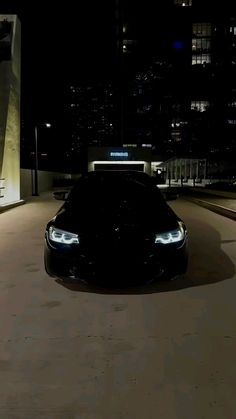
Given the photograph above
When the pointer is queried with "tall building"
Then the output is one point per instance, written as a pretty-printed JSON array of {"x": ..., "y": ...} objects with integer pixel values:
[
  {"x": 88, "y": 119},
  {"x": 173, "y": 85},
  {"x": 182, "y": 96},
  {"x": 203, "y": 80}
]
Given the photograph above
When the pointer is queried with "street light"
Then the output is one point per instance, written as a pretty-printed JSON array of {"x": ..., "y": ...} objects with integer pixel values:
[{"x": 47, "y": 125}]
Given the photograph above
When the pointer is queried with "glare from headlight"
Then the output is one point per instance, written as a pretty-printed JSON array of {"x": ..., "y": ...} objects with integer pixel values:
[
  {"x": 63, "y": 237},
  {"x": 171, "y": 236}
]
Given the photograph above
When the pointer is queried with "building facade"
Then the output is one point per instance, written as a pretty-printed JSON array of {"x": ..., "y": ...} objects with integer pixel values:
[
  {"x": 173, "y": 87},
  {"x": 181, "y": 99}
]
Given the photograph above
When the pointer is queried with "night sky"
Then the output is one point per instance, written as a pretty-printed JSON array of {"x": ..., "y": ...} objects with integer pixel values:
[
  {"x": 66, "y": 41},
  {"x": 62, "y": 43}
]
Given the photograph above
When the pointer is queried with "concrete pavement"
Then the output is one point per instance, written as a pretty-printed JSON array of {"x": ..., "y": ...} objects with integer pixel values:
[
  {"x": 223, "y": 203},
  {"x": 163, "y": 351}
]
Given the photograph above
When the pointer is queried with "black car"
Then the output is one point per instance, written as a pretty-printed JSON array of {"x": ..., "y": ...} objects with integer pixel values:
[{"x": 115, "y": 225}]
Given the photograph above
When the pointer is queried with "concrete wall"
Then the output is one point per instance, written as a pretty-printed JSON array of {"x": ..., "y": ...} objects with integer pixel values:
[
  {"x": 10, "y": 69},
  {"x": 45, "y": 181}
]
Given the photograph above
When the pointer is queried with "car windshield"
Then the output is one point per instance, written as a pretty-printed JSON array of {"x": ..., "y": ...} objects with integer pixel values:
[{"x": 112, "y": 192}]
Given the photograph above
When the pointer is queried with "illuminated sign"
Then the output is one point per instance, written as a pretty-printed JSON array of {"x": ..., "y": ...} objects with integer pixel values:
[{"x": 119, "y": 154}]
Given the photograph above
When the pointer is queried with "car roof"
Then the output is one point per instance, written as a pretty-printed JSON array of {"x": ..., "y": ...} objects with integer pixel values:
[
  {"x": 118, "y": 177},
  {"x": 125, "y": 181},
  {"x": 109, "y": 174}
]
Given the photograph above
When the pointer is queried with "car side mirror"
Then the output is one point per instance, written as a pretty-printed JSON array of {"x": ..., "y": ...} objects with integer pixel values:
[{"x": 60, "y": 195}]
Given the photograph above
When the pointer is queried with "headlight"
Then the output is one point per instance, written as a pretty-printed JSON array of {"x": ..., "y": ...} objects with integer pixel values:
[
  {"x": 63, "y": 237},
  {"x": 171, "y": 236}
]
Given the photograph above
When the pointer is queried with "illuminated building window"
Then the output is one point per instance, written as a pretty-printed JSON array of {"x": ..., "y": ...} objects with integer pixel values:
[
  {"x": 144, "y": 109},
  {"x": 201, "y": 30},
  {"x": 199, "y": 105},
  {"x": 231, "y": 121},
  {"x": 201, "y": 44},
  {"x": 201, "y": 59},
  {"x": 128, "y": 44},
  {"x": 177, "y": 123},
  {"x": 232, "y": 30},
  {"x": 183, "y": 3},
  {"x": 174, "y": 124},
  {"x": 176, "y": 136}
]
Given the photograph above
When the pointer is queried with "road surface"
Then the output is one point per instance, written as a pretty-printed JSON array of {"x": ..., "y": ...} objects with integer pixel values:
[{"x": 164, "y": 351}]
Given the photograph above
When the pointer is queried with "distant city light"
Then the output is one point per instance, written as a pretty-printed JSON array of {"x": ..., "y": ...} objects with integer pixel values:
[{"x": 130, "y": 145}]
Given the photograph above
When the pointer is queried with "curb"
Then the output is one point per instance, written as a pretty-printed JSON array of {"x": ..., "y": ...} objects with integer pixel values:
[
  {"x": 6, "y": 207},
  {"x": 215, "y": 192},
  {"x": 219, "y": 209}
]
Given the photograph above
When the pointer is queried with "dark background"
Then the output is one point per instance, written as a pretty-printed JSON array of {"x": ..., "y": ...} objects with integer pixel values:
[
  {"x": 67, "y": 41},
  {"x": 70, "y": 43}
]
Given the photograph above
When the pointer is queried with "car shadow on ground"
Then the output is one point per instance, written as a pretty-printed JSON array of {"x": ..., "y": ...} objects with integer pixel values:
[{"x": 208, "y": 264}]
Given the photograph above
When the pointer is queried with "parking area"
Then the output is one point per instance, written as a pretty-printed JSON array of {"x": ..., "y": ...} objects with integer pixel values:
[{"x": 166, "y": 350}]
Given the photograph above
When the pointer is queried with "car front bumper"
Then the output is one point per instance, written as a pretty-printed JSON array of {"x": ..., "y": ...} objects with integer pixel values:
[{"x": 156, "y": 262}]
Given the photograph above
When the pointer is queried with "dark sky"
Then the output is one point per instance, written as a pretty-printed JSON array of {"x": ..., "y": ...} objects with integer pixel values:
[
  {"x": 61, "y": 42},
  {"x": 67, "y": 40}
]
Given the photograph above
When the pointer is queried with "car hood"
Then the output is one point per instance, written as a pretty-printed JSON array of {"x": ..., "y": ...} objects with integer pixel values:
[{"x": 76, "y": 220}]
